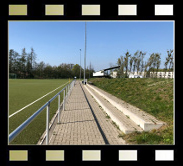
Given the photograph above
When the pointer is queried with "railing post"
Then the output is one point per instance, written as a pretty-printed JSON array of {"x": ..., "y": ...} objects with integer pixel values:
[
  {"x": 47, "y": 123},
  {"x": 59, "y": 108},
  {"x": 69, "y": 90},
  {"x": 64, "y": 101}
]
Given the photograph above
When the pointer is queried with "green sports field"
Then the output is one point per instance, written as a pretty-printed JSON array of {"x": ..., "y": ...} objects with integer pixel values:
[{"x": 25, "y": 91}]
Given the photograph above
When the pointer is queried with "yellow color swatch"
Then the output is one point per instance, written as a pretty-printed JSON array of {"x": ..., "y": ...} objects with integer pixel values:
[
  {"x": 17, "y": 9},
  {"x": 127, "y": 155},
  {"x": 91, "y": 10},
  {"x": 54, "y": 10},
  {"x": 127, "y": 9},
  {"x": 91, "y": 155},
  {"x": 55, "y": 155},
  {"x": 18, "y": 155}
]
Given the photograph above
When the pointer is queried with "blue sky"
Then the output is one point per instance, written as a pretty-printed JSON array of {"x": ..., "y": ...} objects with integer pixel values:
[{"x": 57, "y": 42}]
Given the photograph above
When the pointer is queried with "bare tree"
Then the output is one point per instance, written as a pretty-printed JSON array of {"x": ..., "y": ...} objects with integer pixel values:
[
  {"x": 166, "y": 63},
  {"x": 142, "y": 54},
  {"x": 158, "y": 61},
  {"x": 170, "y": 58},
  {"x": 134, "y": 64},
  {"x": 149, "y": 64},
  {"x": 131, "y": 62},
  {"x": 154, "y": 63},
  {"x": 145, "y": 69},
  {"x": 137, "y": 60},
  {"x": 127, "y": 55},
  {"x": 169, "y": 61},
  {"x": 120, "y": 63}
]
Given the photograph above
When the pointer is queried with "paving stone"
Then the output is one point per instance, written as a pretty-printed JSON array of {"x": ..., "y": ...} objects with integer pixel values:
[{"x": 78, "y": 125}]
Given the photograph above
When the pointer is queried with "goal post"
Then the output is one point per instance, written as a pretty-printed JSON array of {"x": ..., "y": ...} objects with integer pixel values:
[{"x": 12, "y": 76}]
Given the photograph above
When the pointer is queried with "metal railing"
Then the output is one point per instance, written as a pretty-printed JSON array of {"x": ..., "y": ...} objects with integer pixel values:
[{"x": 66, "y": 92}]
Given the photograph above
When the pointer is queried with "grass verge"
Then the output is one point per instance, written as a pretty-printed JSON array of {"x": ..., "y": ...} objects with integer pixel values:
[{"x": 152, "y": 95}]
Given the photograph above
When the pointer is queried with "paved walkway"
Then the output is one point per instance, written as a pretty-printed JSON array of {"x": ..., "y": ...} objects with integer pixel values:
[{"x": 83, "y": 122}]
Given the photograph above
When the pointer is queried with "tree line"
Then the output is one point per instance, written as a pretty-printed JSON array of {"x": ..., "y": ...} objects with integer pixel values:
[
  {"x": 24, "y": 66},
  {"x": 135, "y": 63}
]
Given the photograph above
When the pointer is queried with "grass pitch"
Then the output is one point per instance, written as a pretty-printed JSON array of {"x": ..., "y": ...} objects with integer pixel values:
[{"x": 23, "y": 92}]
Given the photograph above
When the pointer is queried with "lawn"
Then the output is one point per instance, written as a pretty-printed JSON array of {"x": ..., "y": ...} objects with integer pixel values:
[
  {"x": 23, "y": 92},
  {"x": 153, "y": 95}
]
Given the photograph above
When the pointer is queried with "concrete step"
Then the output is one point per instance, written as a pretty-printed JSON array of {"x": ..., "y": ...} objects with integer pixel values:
[
  {"x": 125, "y": 124},
  {"x": 146, "y": 121}
]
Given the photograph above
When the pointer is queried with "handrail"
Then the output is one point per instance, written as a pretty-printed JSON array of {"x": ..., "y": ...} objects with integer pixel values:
[{"x": 15, "y": 133}]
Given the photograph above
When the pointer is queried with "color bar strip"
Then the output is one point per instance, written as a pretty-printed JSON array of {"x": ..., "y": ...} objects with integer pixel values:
[
  {"x": 17, "y": 10},
  {"x": 54, "y": 10},
  {"x": 54, "y": 155},
  {"x": 127, "y": 9},
  {"x": 18, "y": 155},
  {"x": 163, "y": 10},
  {"x": 91, "y": 10},
  {"x": 127, "y": 155},
  {"x": 91, "y": 155},
  {"x": 164, "y": 155}
]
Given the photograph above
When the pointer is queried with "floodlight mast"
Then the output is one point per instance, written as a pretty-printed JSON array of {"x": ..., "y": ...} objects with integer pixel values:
[
  {"x": 80, "y": 63},
  {"x": 85, "y": 56}
]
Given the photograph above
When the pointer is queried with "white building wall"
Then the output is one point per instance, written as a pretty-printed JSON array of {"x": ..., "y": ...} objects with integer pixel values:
[
  {"x": 143, "y": 74},
  {"x": 113, "y": 74},
  {"x": 98, "y": 73},
  {"x": 162, "y": 74}
]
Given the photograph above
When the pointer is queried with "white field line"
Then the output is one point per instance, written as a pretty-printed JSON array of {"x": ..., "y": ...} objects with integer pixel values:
[{"x": 35, "y": 101}]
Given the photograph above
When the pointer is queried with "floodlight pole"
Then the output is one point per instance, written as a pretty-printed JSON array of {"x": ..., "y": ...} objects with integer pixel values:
[
  {"x": 85, "y": 55},
  {"x": 80, "y": 63}
]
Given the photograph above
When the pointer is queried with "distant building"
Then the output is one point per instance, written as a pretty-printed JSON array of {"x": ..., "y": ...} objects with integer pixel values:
[
  {"x": 155, "y": 75},
  {"x": 105, "y": 72},
  {"x": 113, "y": 74},
  {"x": 162, "y": 74},
  {"x": 135, "y": 76},
  {"x": 99, "y": 73}
]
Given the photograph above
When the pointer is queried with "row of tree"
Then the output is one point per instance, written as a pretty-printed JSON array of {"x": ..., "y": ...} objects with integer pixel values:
[
  {"x": 131, "y": 64},
  {"x": 24, "y": 65}
]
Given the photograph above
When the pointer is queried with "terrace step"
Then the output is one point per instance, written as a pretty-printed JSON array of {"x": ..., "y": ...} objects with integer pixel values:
[
  {"x": 125, "y": 124},
  {"x": 146, "y": 121}
]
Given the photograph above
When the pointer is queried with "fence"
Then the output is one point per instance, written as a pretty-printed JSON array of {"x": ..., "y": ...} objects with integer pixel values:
[{"x": 67, "y": 90}]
